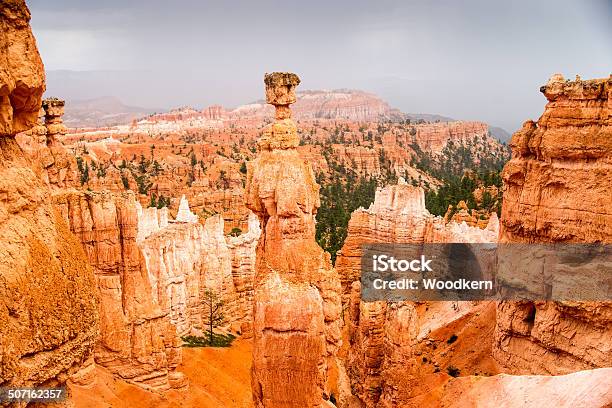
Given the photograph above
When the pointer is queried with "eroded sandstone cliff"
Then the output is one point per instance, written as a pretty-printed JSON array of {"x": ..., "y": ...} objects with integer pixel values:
[
  {"x": 48, "y": 310},
  {"x": 137, "y": 340},
  {"x": 557, "y": 190},
  {"x": 558, "y": 180},
  {"x": 391, "y": 345},
  {"x": 183, "y": 259},
  {"x": 399, "y": 351},
  {"x": 398, "y": 215}
]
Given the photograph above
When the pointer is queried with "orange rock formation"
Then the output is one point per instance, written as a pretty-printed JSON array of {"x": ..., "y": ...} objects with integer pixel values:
[
  {"x": 296, "y": 300},
  {"x": 48, "y": 310},
  {"x": 398, "y": 215},
  {"x": 392, "y": 346},
  {"x": 137, "y": 340},
  {"x": 558, "y": 186},
  {"x": 385, "y": 338}
]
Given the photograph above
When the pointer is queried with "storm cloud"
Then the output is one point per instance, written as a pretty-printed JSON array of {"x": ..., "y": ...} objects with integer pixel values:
[{"x": 481, "y": 60}]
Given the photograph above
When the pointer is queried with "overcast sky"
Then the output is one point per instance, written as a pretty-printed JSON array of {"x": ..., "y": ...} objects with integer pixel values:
[{"x": 480, "y": 60}]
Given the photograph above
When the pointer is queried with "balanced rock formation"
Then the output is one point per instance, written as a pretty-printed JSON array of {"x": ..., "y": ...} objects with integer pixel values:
[
  {"x": 54, "y": 110},
  {"x": 48, "y": 309},
  {"x": 61, "y": 168},
  {"x": 558, "y": 186},
  {"x": 50, "y": 160},
  {"x": 296, "y": 291}
]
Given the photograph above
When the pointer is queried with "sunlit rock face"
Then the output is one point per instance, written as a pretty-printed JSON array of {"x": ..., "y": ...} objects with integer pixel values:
[
  {"x": 558, "y": 180},
  {"x": 296, "y": 291},
  {"x": 184, "y": 213},
  {"x": 48, "y": 308},
  {"x": 137, "y": 341},
  {"x": 589, "y": 388},
  {"x": 185, "y": 259},
  {"x": 150, "y": 221},
  {"x": 558, "y": 186},
  {"x": 243, "y": 256},
  {"x": 398, "y": 215}
]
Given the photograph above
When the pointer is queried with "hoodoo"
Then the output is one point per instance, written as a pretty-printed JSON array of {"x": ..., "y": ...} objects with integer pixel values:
[{"x": 296, "y": 290}]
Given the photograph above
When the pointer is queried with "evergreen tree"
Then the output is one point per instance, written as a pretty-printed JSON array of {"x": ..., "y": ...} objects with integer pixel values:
[{"x": 213, "y": 312}]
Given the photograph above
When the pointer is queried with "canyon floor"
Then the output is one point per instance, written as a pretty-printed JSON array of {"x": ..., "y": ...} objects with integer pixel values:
[{"x": 218, "y": 377}]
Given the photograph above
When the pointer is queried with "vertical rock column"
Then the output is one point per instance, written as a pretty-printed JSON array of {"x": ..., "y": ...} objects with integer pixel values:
[
  {"x": 54, "y": 110},
  {"x": 61, "y": 167},
  {"x": 137, "y": 341},
  {"x": 296, "y": 305}
]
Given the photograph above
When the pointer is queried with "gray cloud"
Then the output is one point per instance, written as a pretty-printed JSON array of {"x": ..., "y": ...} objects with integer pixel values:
[{"x": 469, "y": 60}]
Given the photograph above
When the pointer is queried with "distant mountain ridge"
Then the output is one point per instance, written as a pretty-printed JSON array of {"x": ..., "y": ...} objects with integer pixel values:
[
  {"x": 500, "y": 134},
  {"x": 341, "y": 104},
  {"x": 347, "y": 104},
  {"x": 101, "y": 112}
]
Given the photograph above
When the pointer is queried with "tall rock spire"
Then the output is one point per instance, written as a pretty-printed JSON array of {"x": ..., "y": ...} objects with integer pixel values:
[
  {"x": 296, "y": 300},
  {"x": 54, "y": 110}
]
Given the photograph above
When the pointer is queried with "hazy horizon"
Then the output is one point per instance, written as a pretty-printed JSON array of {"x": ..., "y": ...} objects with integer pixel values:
[{"x": 474, "y": 60}]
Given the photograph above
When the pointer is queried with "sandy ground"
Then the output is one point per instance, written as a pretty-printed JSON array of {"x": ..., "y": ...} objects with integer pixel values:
[
  {"x": 218, "y": 378},
  {"x": 221, "y": 377}
]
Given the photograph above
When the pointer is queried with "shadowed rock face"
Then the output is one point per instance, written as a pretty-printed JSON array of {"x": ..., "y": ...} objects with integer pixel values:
[
  {"x": 296, "y": 290},
  {"x": 48, "y": 310},
  {"x": 558, "y": 187}
]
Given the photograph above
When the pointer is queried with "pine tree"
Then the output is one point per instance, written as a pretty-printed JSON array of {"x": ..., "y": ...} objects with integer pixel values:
[{"x": 213, "y": 312}]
